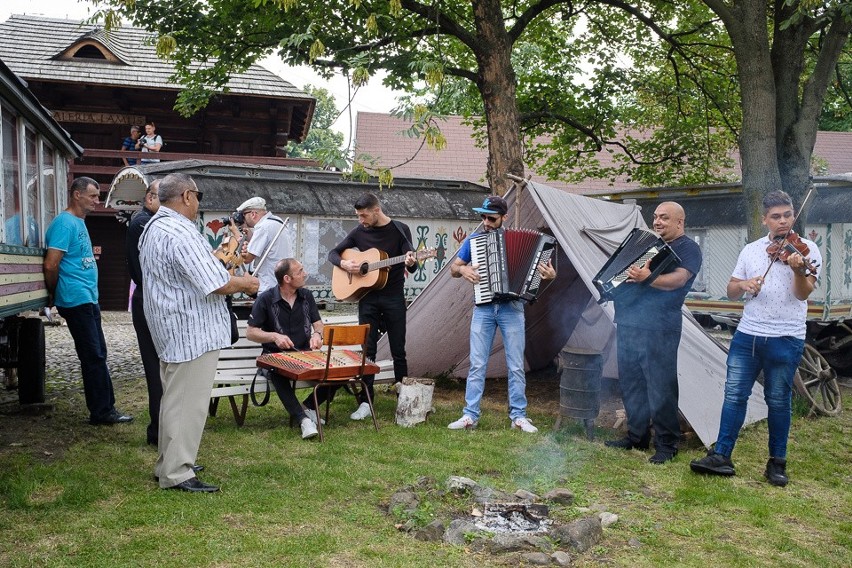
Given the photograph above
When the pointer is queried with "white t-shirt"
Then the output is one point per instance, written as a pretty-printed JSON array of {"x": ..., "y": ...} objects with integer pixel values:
[
  {"x": 775, "y": 311},
  {"x": 263, "y": 234}
]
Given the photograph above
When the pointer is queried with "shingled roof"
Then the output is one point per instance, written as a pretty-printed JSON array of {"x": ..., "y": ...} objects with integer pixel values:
[
  {"x": 378, "y": 135},
  {"x": 37, "y": 47}
]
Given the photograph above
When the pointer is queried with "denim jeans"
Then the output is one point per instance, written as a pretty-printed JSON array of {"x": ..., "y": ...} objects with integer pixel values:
[
  {"x": 778, "y": 358},
  {"x": 84, "y": 323},
  {"x": 509, "y": 317}
]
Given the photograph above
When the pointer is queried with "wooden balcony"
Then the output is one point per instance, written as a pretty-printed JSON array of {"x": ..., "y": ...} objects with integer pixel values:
[{"x": 103, "y": 164}]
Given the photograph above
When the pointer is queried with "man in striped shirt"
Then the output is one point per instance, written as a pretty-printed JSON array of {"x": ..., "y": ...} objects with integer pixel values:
[{"x": 184, "y": 290}]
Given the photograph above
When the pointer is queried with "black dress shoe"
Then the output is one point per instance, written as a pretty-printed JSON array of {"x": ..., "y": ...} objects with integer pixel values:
[
  {"x": 662, "y": 456},
  {"x": 194, "y": 485},
  {"x": 114, "y": 417},
  {"x": 627, "y": 444},
  {"x": 195, "y": 469}
]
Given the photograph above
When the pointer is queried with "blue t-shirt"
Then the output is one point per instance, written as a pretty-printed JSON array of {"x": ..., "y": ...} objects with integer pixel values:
[
  {"x": 78, "y": 271},
  {"x": 654, "y": 309},
  {"x": 129, "y": 144}
]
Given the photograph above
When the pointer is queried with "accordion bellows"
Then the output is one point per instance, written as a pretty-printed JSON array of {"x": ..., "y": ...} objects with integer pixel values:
[
  {"x": 508, "y": 262},
  {"x": 639, "y": 247}
]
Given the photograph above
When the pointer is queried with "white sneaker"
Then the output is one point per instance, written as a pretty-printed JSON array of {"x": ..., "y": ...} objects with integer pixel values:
[
  {"x": 362, "y": 412},
  {"x": 309, "y": 429},
  {"x": 463, "y": 423},
  {"x": 312, "y": 414},
  {"x": 524, "y": 424}
]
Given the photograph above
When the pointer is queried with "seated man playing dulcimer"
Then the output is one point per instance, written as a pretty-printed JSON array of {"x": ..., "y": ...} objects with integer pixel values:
[{"x": 286, "y": 318}]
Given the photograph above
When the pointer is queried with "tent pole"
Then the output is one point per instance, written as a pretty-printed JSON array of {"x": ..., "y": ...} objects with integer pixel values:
[{"x": 520, "y": 183}]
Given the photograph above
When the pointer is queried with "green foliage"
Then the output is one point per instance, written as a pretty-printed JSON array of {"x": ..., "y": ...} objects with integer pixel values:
[{"x": 322, "y": 142}]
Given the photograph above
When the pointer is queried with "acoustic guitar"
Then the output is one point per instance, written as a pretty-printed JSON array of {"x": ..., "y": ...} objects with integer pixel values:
[{"x": 373, "y": 273}]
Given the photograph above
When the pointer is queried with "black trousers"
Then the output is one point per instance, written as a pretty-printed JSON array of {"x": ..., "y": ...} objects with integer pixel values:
[
  {"x": 285, "y": 391},
  {"x": 384, "y": 314},
  {"x": 150, "y": 362},
  {"x": 647, "y": 373}
]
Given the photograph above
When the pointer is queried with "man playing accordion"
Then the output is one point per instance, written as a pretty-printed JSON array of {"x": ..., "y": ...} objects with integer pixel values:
[{"x": 506, "y": 314}]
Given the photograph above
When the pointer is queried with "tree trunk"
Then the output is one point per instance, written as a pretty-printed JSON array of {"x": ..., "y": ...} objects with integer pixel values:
[
  {"x": 496, "y": 81},
  {"x": 757, "y": 142}
]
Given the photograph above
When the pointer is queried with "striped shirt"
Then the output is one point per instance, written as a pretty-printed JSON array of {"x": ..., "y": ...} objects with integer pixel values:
[{"x": 179, "y": 275}]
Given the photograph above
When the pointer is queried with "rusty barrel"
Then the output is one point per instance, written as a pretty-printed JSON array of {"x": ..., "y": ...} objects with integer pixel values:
[{"x": 580, "y": 383}]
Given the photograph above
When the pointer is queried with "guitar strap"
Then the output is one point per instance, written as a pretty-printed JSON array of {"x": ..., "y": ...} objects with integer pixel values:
[{"x": 399, "y": 227}]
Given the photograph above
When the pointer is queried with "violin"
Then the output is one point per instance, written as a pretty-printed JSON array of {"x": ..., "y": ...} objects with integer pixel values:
[
  {"x": 782, "y": 247},
  {"x": 229, "y": 252}
]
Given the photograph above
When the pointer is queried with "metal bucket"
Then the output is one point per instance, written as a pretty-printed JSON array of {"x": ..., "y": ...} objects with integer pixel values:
[{"x": 580, "y": 384}]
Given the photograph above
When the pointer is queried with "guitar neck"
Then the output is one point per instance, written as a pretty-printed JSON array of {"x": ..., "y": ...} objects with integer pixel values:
[{"x": 386, "y": 262}]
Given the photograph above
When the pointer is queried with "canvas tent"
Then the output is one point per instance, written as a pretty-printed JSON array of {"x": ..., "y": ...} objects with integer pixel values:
[{"x": 566, "y": 313}]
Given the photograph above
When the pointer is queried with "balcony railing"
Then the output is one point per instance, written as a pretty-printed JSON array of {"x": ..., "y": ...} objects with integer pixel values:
[{"x": 100, "y": 163}]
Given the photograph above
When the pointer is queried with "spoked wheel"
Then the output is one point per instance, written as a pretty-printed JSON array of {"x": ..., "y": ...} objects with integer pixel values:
[{"x": 817, "y": 381}]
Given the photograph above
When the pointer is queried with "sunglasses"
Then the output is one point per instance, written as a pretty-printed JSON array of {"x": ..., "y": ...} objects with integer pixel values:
[
  {"x": 198, "y": 194},
  {"x": 491, "y": 218}
]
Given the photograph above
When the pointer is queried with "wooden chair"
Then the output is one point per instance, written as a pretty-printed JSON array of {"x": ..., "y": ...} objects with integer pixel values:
[{"x": 349, "y": 335}]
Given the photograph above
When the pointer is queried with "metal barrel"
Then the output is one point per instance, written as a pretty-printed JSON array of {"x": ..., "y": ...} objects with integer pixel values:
[{"x": 580, "y": 383}]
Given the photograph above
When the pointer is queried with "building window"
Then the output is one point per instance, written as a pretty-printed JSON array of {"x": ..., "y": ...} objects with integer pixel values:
[
  {"x": 700, "y": 237},
  {"x": 48, "y": 184},
  {"x": 32, "y": 211},
  {"x": 14, "y": 232}
]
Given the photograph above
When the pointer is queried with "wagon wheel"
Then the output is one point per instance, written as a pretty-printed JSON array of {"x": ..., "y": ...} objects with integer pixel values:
[{"x": 817, "y": 381}]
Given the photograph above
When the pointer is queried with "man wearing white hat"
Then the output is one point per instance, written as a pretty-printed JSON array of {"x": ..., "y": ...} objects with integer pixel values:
[{"x": 265, "y": 228}]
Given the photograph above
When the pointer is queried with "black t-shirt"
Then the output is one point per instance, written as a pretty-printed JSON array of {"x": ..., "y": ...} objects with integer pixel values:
[
  {"x": 134, "y": 231},
  {"x": 271, "y": 313},
  {"x": 387, "y": 238},
  {"x": 654, "y": 309}
]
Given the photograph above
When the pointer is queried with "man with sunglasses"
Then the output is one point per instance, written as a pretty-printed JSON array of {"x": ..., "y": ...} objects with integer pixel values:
[
  {"x": 265, "y": 228},
  {"x": 509, "y": 317},
  {"x": 185, "y": 288}
]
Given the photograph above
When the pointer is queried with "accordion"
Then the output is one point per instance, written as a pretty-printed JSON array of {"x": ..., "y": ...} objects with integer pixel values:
[
  {"x": 508, "y": 262},
  {"x": 639, "y": 247}
]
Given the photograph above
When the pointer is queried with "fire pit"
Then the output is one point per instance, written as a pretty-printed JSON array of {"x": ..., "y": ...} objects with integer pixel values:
[{"x": 520, "y": 518}]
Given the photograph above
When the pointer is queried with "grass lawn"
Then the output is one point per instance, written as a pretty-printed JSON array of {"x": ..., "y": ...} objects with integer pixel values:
[{"x": 77, "y": 495}]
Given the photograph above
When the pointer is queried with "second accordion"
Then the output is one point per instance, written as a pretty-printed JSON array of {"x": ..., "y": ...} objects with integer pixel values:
[
  {"x": 508, "y": 262},
  {"x": 639, "y": 247}
]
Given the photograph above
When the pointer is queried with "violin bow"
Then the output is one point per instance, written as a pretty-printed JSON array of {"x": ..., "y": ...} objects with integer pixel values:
[
  {"x": 805, "y": 203},
  {"x": 271, "y": 244}
]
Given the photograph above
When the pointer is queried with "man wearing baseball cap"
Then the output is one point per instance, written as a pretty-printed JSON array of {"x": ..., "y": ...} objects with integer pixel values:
[
  {"x": 265, "y": 227},
  {"x": 508, "y": 315}
]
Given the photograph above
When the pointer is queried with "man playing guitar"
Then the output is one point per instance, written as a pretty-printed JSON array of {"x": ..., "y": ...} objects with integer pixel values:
[{"x": 384, "y": 307}]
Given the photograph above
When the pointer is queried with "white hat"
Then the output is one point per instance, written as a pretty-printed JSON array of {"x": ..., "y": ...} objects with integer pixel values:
[{"x": 258, "y": 203}]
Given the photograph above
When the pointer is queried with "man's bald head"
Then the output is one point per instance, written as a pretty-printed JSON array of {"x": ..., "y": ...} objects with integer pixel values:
[{"x": 669, "y": 220}]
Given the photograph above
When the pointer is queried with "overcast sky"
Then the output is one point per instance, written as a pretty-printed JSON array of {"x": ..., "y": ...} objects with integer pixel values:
[{"x": 372, "y": 98}]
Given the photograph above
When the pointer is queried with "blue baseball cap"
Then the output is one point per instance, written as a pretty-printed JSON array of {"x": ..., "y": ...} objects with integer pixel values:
[{"x": 493, "y": 204}]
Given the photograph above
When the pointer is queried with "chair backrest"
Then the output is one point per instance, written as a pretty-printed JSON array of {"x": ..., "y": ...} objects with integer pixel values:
[{"x": 345, "y": 334}]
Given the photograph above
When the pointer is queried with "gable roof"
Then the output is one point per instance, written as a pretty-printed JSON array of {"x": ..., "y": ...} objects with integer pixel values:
[
  {"x": 378, "y": 135},
  {"x": 48, "y": 38}
]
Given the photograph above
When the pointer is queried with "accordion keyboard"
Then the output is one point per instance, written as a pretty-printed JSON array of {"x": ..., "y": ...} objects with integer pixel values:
[
  {"x": 482, "y": 293},
  {"x": 646, "y": 256}
]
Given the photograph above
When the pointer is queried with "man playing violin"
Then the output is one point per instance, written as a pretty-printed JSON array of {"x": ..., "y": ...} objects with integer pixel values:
[
  {"x": 265, "y": 236},
  {"x": 770, "y": 338}
]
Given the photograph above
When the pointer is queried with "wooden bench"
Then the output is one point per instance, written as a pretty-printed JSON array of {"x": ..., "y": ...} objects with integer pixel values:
[{"x": 237, "y": 368}]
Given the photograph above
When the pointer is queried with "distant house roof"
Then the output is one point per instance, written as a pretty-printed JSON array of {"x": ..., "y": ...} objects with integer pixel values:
[
  {"x": 378, "y": 135},
  {"x": 62, "y": 50},
  {"x": 14, "y": 90}
]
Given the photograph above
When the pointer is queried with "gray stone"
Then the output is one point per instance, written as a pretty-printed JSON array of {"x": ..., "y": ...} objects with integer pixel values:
[
  {"x": 561, "y": 558},
  {"x": 502, "y": 543},
  {"x": 459, "y": 531},
  {"x": 526, "y": 496},
  {"x": 634, "y": 542},
  {"x": 536, "y": 558},
  {"x": 403, "y": 501},
  {"x": 580, "y": 535},
  {"x": 458, "y": 484},
  {"x": 433, "y": 532},
  {"x": 607, "y": 519},
  {"x": 563, "y": 496},
  {"x": 490, "y": 495}
]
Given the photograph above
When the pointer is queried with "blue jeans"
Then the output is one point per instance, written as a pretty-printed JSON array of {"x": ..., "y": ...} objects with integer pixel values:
[
  {"x": 84, "y": 323},
  {"x": 509, "y": 317},
  {"x": 778, "y": 358}
]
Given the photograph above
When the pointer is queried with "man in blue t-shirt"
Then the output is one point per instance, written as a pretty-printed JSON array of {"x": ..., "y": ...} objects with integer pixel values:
[
  {"x": 71, "y": 279},
  {"x": 649, "y": 322},
  {"x": 129, "y": 144}
]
